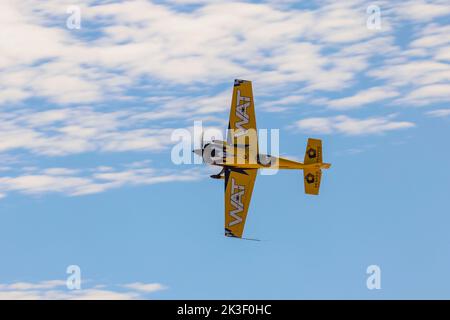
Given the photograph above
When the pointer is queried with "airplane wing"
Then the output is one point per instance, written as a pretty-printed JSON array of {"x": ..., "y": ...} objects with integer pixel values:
[
  {"x": 242, "y": 113},
  {"x": 238, "y": 192}
]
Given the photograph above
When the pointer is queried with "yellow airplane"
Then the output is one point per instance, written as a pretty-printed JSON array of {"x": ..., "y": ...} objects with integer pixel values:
[{"x": 240, "y": 160}]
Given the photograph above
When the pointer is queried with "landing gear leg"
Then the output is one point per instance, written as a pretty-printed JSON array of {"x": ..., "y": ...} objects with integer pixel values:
[{"x": 220, "y": 175}]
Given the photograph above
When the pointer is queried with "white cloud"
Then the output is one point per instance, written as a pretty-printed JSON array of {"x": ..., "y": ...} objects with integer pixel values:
[
  {"x": 443, "y": 54},
  {"x": 431, "y": 36},
  {"x": 46, "y": 285},
  {"x": 351, "y": 126},
  {"x": 140, "y": 39},
  {"x": 361, "y": 98},
  {"x": 428, "y": 94},
  {"x": 60, "y": 171},
  {"x": 421, "y": 10},
  {"x": 439, "y": 113},
  {"x": 145, "y": 287},
  {"x": 75, "y": 183},
  {"x": 418, "y": 72},
  {"x": 77, "y": 130},
  {"x": 55, "y": 290},
  {"x": 322, "y": 48},
  {"x": 281, "y": 103}
]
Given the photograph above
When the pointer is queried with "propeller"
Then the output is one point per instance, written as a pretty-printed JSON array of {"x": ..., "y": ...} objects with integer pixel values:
[
  {"x": 202, "y": 139},
  {"x": 200, "y": 151}
]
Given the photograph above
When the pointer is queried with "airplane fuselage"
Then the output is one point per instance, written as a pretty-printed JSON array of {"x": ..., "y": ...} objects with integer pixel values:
[{"x": 224, "y": 155}]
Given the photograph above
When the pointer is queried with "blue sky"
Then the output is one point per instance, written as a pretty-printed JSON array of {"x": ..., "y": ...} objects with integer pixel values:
[{"x": 86, "y": 177}]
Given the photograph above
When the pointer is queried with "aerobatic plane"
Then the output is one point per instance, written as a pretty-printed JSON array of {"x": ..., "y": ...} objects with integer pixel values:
[{"x": 240, "y": 159}]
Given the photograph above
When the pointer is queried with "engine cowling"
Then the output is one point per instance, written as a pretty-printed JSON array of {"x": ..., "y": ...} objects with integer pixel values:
[{"x": 213, "y": 153}]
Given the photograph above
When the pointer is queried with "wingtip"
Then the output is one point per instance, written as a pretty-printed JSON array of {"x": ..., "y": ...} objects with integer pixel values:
[{"x": 238, "y": 82}]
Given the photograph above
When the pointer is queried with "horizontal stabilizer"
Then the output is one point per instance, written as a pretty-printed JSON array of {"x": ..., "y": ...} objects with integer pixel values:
[
  {"x": 313, "y": 153},
  {"x": 312, "y": 179}
]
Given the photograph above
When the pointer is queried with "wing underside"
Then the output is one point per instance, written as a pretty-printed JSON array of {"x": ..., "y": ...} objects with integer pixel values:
[
  {"x": 238, "y": 192},
  {"x": 242, "y": 120}
]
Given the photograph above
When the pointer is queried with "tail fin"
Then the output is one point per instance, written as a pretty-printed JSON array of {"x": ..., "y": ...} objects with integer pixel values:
[{"x": 312, "y": 176}]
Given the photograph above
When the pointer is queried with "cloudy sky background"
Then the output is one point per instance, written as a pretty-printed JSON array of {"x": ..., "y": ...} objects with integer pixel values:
[{"x": 86, "y": 176}]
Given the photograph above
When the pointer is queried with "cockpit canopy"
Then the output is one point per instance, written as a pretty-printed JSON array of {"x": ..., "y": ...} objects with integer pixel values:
[{"x": 266, "y": 159}]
